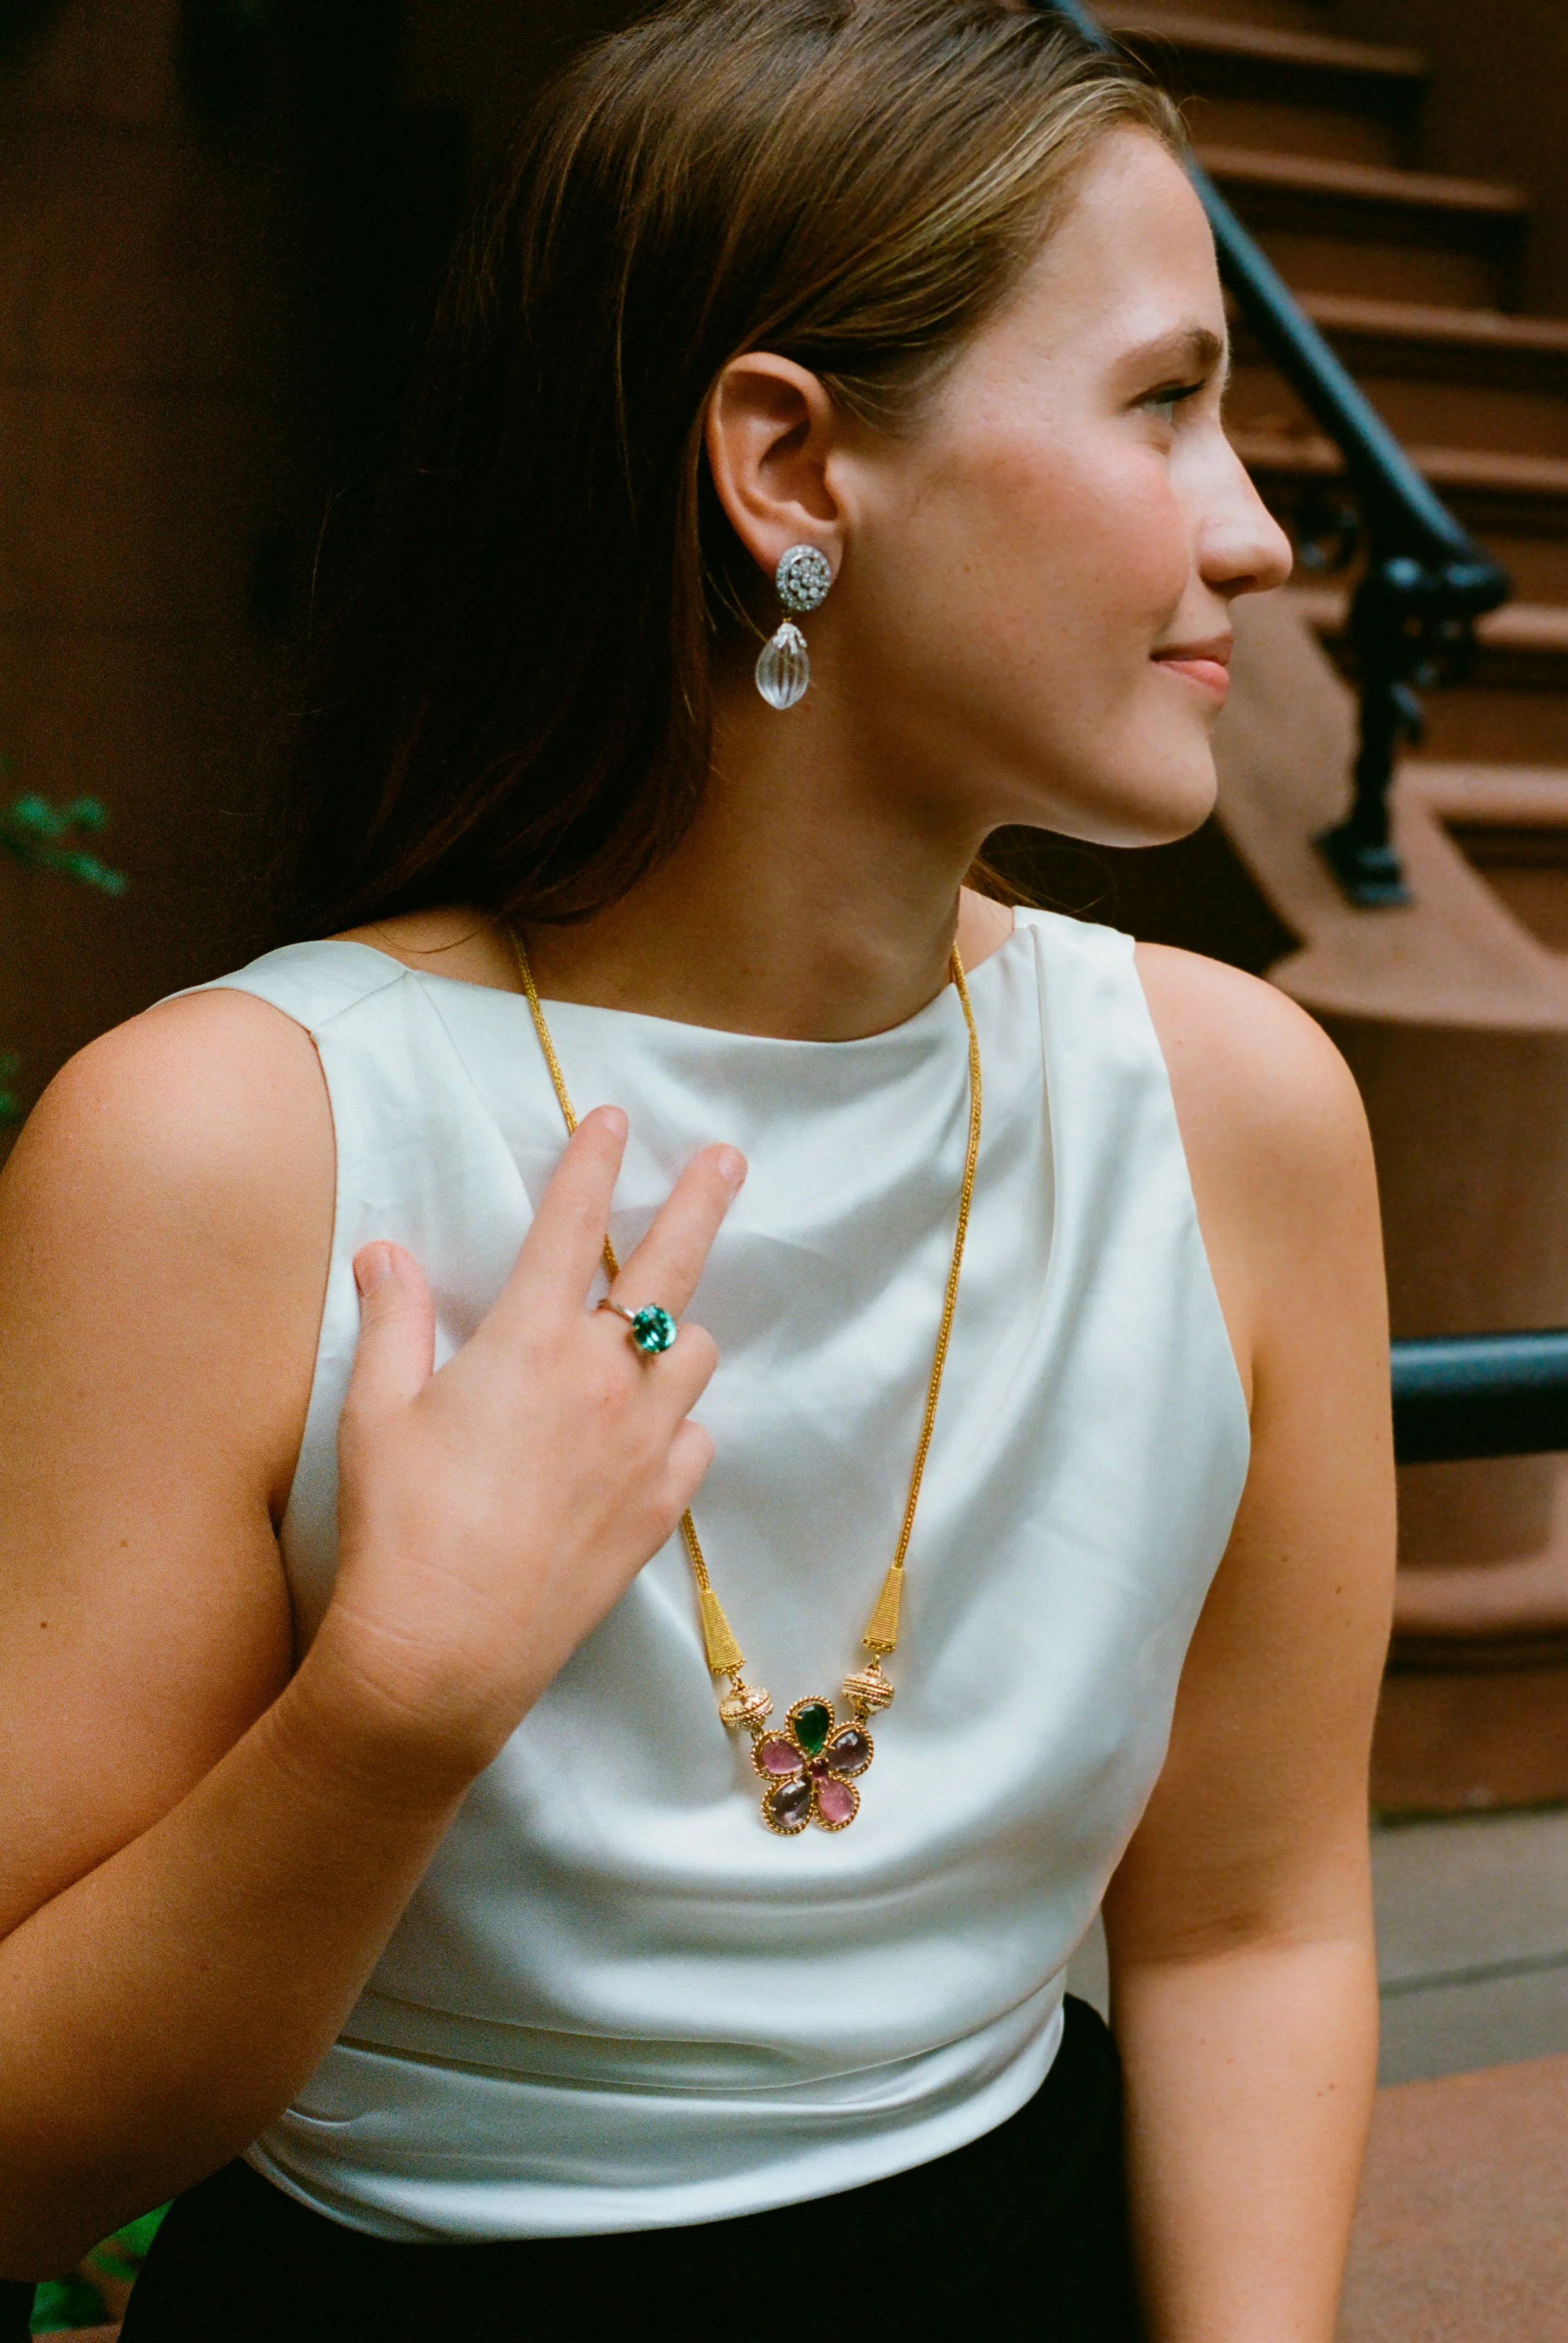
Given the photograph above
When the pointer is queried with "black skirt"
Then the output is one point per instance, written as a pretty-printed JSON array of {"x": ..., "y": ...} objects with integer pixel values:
[{"x": 1024, "y": 2231}]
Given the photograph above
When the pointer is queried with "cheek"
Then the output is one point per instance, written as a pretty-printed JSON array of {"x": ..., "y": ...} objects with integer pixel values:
[
  {"x": 1005, "y": 625},
  {"x": 1028, "y": 561},
  {"x": 1093, "y": 538}
]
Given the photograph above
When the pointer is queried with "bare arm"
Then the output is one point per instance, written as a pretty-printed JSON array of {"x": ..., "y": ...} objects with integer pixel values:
[
  {"x": 180, "y": 1813},
  {"x": 1240, "y": 1923}
]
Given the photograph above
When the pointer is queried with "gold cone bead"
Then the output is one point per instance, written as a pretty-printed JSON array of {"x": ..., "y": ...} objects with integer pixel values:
[
  {"x": 725, "y": 1656},
  {"x": 882, "y": 1633}
]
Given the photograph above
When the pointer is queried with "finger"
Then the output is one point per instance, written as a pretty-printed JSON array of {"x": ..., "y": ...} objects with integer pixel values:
[
  {"x": 666, "y": 1264},
  {"x": 396, "y": 1331},
  {"x": 565, "y": 1246},
  {"x": 690, "y": 1454}
]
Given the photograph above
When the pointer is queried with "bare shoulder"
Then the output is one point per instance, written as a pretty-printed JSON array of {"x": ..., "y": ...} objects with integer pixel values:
[
  {"x": 1275, "y": 1135},
  {"x": 177, "y": 1178},
  {"x": 215, "y": 1100},
  {"x": 1251, "y": 1071}
]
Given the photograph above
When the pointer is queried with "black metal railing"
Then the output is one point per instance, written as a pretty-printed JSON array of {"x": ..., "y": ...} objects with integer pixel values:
[
  {"x": 1464, "y": 1396},
  {"x": 1424, "y": 582}
]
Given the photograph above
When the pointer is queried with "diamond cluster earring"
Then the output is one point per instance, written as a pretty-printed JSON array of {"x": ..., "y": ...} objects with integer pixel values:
[{"x": 804, "y": 578}]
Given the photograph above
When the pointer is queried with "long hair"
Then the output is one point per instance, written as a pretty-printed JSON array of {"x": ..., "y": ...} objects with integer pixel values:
[{"x": 512, "y": 707}]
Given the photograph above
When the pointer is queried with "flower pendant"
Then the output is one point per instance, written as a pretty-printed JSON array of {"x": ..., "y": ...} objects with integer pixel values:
[{"x": 811, "y": 1769}]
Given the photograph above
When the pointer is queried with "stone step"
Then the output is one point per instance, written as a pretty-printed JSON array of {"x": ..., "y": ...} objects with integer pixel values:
[
  {"x": 1361, "y": 229},
  {"x": 1490, "y": 489},
  {"x": 1373, "y": 65},
  {"x": 1420, "y": 196},
  {"x": 1459, "y": 2235},
  {"x": 1481, "y": 721},
  {"x": 1443, "y": 343},
  {"x": 1265, "y": 86},
  {"x": 1511, "y": 712},
  {"x": 1438, "y": 376},
  {"x": 1280, "y": 15},
  {"x": 1519, "y": 631},
  {"x": 1482, "y": 417}
]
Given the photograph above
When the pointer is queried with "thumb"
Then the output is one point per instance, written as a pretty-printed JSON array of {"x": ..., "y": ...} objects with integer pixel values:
[{"x": 397, "y": 1330}]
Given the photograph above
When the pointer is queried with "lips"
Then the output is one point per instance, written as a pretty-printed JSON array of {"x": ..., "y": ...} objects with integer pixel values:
[{"x": 1206, "y": 665}]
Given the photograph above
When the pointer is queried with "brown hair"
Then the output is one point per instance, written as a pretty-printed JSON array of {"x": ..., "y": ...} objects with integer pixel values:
[{"x": 513, "y": 707}]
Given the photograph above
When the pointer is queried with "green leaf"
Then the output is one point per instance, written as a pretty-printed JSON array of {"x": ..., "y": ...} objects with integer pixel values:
[
  {"x": 137, "y": 2236},
  {"x": 44, "y": 837},
  {"x": 122, "y": 2256},
  {"x": 61, "y": 2303}
]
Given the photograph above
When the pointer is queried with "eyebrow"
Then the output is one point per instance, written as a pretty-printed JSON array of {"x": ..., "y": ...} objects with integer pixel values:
[{"x": 1190, "y": 350}]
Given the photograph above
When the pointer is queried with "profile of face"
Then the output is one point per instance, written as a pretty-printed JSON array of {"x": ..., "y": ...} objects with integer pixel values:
[{"x": 1030, "y": 620}]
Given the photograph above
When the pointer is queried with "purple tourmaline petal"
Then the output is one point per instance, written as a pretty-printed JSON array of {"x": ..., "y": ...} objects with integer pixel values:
[
  {"x": 777, "y": 1755},
  {"x": 849, "y": 1751},
  {"x": 789, "y": 1806},
  {"x": 837, "y": 1801}
]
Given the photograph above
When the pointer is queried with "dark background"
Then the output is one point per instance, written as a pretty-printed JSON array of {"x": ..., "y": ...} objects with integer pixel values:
[{"x": 220, "y": 220}]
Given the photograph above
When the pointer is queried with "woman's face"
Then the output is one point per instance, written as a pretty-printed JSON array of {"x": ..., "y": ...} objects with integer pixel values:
[{"x": 1038, "y": 581}]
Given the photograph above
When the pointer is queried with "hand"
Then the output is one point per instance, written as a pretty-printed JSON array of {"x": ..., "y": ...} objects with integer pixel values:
[{"x": 492, "y": 1514}]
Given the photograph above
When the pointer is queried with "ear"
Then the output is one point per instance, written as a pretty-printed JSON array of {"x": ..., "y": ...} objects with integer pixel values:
[{"x": 771, "y": 430}]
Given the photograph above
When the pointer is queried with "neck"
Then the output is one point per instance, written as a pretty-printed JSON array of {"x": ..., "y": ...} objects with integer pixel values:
[{"x": 809, "y": 900}]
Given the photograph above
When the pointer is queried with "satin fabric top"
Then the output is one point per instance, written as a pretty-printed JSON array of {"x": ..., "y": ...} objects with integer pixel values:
[{"x": 617, "y": 2001}]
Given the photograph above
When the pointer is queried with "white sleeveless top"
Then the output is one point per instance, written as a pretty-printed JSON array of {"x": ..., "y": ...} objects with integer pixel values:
[{"x": 618, "y": 2001}]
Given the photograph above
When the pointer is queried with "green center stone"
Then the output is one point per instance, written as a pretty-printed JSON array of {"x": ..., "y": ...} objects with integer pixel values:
[
  {"x": 813, "y": 1725},
  {"x": 653, "y": 1329}
]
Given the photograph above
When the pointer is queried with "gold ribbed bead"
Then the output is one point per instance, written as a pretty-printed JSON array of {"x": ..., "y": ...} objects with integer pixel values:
[
  {"x": 746, "y": 1706},
  {"x": 868, "y": 1689}
]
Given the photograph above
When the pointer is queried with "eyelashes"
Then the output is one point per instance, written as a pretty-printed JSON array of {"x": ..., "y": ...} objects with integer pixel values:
[{"x": 1165, "y": 402}]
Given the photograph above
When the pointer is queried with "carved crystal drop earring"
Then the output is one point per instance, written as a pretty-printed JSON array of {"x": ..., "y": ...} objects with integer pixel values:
[{"x": 804, "y": 578}]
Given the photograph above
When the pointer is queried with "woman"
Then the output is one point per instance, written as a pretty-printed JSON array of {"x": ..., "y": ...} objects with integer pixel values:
[{"x": 371, "y": 1814}]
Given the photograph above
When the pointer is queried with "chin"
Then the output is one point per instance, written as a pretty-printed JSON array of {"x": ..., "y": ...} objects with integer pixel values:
[
  {"x": 1173, "y": 820},
  {"x": 1150, "y": 800}
]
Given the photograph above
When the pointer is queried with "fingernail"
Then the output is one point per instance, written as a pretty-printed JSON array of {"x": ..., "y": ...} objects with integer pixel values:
[
  {"x": 371, "y": 1267},
  {"x": 615, "y": 1120},
  {"x": 732, "y": 1167}
]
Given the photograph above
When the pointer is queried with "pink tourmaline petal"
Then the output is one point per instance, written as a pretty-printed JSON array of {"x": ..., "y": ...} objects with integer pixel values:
[
  {"x": 777, "y": 1755},
  {"x": 836, "y": 1801}
]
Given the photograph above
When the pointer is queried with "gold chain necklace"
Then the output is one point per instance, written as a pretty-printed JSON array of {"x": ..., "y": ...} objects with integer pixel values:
[{"x": 811, "y": 1766}]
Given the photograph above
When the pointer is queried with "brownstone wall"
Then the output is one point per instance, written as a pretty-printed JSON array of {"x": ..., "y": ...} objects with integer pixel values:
[
  {"x": 200, "y": 324},
  {"x": 1498, "y": 105},
  {"x": 146, "y": 474}
]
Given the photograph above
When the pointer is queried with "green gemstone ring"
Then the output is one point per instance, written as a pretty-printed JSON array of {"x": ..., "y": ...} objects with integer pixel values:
[{"x": 652, "y": 1330}]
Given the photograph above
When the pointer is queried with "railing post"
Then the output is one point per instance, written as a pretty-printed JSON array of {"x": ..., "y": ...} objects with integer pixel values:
[
  {"x": 1411, "y": 624},
  {"x": 1360, "y": 850}
]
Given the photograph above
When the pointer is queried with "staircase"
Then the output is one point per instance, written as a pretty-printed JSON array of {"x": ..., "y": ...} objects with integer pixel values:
[
  {"x": 1454, "y": 1015},
  {"x": 1412, "y": 275}
]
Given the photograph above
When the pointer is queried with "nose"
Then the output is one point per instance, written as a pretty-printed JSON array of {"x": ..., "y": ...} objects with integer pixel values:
[{"x": 1243, "y": 549}]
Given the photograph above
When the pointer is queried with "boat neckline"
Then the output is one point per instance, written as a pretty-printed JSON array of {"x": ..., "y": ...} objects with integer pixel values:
[{"x": 675, "y": 1025}]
